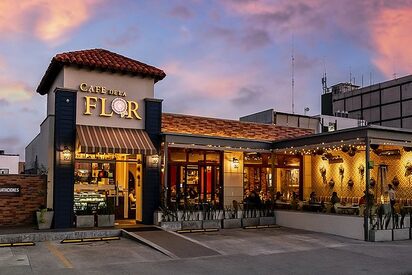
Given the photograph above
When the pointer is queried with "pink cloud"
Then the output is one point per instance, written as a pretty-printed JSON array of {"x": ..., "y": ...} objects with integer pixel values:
[
  {"x": 49, "y": 20},
  {"x": 208, "y": 77},
  {"x": 14, "y": 91},
  {"x": 391, "y": 36}
]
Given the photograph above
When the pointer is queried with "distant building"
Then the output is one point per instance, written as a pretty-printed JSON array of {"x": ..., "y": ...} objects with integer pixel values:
[
  {"x": 383, "y": 104},
  {"x": 9, "y": 163},
  {"x": 319, "y": 123}
]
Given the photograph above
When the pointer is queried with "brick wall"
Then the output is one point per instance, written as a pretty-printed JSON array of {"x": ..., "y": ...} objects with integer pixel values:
[{"x": 20, "y": 210}]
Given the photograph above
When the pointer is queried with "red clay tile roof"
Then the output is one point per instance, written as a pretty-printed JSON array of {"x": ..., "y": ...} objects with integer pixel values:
[
  {"x": 205, "y": 126},
  {"x": 97, "y": 59}
]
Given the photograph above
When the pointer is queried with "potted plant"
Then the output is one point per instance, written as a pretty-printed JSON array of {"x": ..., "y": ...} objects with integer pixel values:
[
  {"x": 105, "y": 215},
  {"x": 85, "y": 217},
  {"x": 44, "y": 217},
  {"x": 170, "y": 220},
  {"x": 250, "y": 217},
  {"x": 231, "y": 217},
  {"x": 267, "y": 214},
  {"x": 211, "y": 217},
  {"x": 191, "y": 217}
]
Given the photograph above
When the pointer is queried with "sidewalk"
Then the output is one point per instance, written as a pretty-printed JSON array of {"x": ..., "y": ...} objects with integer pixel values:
[{"x": 30, "y": 233}]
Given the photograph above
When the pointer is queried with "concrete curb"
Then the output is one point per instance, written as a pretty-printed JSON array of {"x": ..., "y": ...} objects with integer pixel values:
[{"x": 53, "y": 236}]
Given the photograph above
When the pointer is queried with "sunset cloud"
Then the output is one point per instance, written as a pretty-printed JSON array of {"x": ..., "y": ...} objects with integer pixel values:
[
  {"x": 14, "y": 91},
  {"x": 49, "y": 20},
  {"x": 391, "y": 38}
]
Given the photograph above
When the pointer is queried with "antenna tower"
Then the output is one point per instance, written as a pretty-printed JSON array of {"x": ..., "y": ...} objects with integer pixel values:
[
  {"x": 324, "y": 80},
  {"x": 293, "y": 77}
]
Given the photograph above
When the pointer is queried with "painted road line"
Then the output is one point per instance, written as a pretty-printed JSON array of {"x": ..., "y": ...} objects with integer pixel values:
[
  {"x": 59, "y": 255},
  {"x": 23, "y": 244},
  {"x": 197, "y": 230},
  {"x": 72, "y": 241},
  {"x": 17, "y": 244},
  {"x": 84, "y": 240},
  {"x": 110, "y": 238},
  {"x": 212, "y": 229},
  {"x": 91, "y": 239}
]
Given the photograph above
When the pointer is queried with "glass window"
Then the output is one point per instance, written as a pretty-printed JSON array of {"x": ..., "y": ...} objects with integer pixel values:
[
  {"x": 196, "y": 156},
  {"x": 213, "y": 156},
  {"x": 407, "y": 91},
  {"x": 391, "y": 94},
  {"x": 177, "y": 155},
  {"x": 392, "y": 123},
  {"x": 391, "y": 111},
  {"x": 353, "y": 103},
  {"x": 258, "y": 180},
  {"x": 406, "y": 109}
]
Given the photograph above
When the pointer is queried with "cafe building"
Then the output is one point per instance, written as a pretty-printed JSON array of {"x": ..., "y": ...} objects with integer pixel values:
[{"x": 106, "y": 140}]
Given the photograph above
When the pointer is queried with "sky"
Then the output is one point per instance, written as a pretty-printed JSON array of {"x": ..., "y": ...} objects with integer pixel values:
[{"x": 222, "y": 58}]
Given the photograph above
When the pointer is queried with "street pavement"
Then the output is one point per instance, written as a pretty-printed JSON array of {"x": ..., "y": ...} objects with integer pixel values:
[{"x": 238, "y": 251}]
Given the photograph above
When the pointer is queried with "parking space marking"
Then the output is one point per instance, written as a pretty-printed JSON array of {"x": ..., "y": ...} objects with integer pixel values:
[{"x": 59, "y": 255}]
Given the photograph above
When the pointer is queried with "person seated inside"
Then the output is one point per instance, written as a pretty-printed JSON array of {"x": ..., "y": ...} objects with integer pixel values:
[
  {"x": 253, "y": 200},
  {"x": 173, "y": 193},
  {"x": 132, "y": 204},
  {"x": 192, "y": 193},
  {"x": 334, "y": 200},
  {"x": 278, "y": 197},
  {"x": 132, "y": 199},
  {"x": 312, "y": 198}
]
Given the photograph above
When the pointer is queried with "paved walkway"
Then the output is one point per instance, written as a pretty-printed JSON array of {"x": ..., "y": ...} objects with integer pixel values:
[{"x": 254, "y": 251}]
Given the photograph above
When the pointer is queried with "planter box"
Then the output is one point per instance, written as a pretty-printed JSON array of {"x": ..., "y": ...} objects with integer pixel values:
[
  {"x": 47, "y": 218},
  {"x": 157, "y": 217},
  {"x": 232, "y": 223},
  {"x": 192, "y": 224},
  {"x": 85, "y": 221},
  {"x": 250, "y": 222},
  {"x": 380, "y": 235},
  {"x": 267, "y": 220},
  {"x": 105, "y": 220},
  {"x": 401, "y": 234},
  {"x": 171, "y": 226},
  {"x": 208, "y": 224}
]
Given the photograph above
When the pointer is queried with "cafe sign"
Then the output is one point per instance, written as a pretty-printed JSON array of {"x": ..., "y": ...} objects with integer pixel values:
[
  {"x": 108, "y": 107},
  {"x": 12, "y": 190}
]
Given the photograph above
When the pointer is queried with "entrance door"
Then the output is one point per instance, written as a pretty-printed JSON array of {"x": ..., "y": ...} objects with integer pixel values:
[
  {"x": 135, "y": 183},
  {"x": 194, "y": 184},
  {"x": 210, "y": 189}
]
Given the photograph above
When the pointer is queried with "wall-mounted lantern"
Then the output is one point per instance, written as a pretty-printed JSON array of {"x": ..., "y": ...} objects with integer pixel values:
[
  {"x": 153, "y": 161},
  {"x": 66, "y": 154},
  {"x": 235, "y": 163}
]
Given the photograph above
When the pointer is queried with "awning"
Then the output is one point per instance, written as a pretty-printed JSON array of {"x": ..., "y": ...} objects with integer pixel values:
[{"x": 98, "y": 139}]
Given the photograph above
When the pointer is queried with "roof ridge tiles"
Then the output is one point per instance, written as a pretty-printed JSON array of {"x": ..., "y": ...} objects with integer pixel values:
[{"x": 100, "y": 59}]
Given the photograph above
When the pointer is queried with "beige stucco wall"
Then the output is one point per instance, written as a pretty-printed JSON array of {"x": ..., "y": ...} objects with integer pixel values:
[
  {"x": 233, "y": 178},
  {"x": 135, "y": 87},
  {"x": 58, "y": 83}
]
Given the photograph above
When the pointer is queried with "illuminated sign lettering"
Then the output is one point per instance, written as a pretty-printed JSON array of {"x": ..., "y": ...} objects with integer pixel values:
[{"x": 124, "y": 108}]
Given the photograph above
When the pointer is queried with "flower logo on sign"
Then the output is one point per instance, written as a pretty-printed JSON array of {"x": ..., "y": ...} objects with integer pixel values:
[{"x": 119, "y": 106}]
